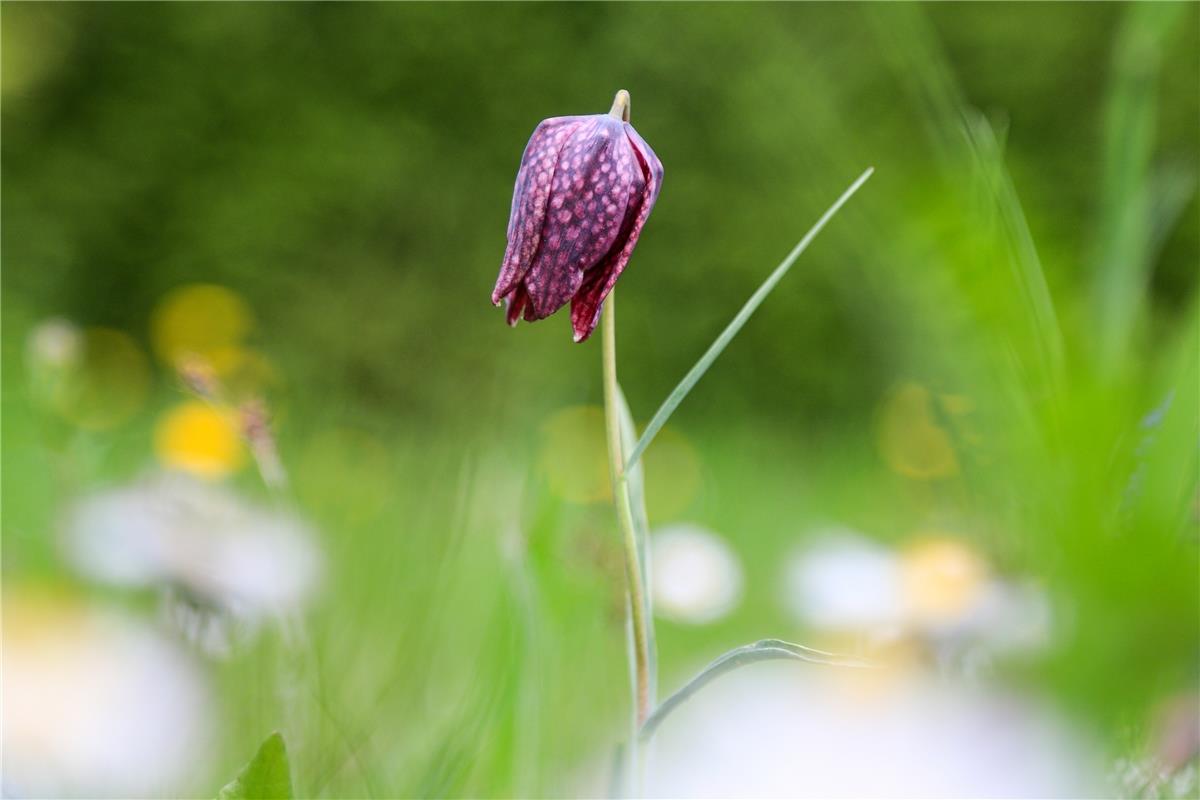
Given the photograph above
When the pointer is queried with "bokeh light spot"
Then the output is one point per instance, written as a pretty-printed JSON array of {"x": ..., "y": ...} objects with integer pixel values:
[
  {"x": 34, "y": 42},
  {"x": 54, "y": 344},
  {"x": 943, "y": 579},
  {"x": 697, "y": 578},
  {"x": 574, "y": 459},
  {"x": 106, "y": 386},
  {"x": 199, "y": 320},
  {"x": 243, "y": 373},
  {"x": 200, "y": 439},
  {"x": 910, "y": 439},
  {"x": 573, "y": 455},
  {"x": 672, "y": 475}
]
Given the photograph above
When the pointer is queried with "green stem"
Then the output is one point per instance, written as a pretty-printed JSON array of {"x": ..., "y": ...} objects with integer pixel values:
[
  {"x": 620, "y": 490},
  {"x": 620, "y": 107}
]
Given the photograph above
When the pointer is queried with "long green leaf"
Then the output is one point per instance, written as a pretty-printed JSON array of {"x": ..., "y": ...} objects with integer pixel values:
[
  {"x": 695, "y": 373},
  {"x": 268, "y": 776},
  {"x": 1124, "y": 245},
  {"x": 764, "y": 650},
  {"x": 1028, "y": 274},
  {"x": 968, "y": 147},
  {"x": 1171, "y": 188}
]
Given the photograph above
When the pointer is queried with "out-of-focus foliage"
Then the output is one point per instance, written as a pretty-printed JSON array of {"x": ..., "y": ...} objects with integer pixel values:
[
  {"x": 267, "y": 776},
  {"x": 254, "y": 244}
]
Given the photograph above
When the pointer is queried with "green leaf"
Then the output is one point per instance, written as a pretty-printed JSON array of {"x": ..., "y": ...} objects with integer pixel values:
[
  {"x": 268, "y": 776},
  {"x": 972, "y": 157},
  {"x": 1028, "y": 275},
  {"x": 764, "y": 650},
  {"x": 1125, "y": 241},
  {"x": 697, "y": 372},
  {"x": 1171, "y": 188}
]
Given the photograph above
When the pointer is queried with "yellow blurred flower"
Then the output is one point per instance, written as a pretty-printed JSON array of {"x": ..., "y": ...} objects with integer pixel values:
[
  {"x": 943, "y": 579},
  {"x": 236, "y": 374},
  {"x": 201, "y": 439},
  {"x": 956, "y": 404},
  {"x": 243, "y": 370},
  {"x": 199, "y": 320},
  {"x": 31, "y": 608},
  {"x": 910, "y": 438}
]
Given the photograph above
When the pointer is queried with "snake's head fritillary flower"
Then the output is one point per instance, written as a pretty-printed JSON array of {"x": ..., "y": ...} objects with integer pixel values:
[{"x": 584, "y": 190}]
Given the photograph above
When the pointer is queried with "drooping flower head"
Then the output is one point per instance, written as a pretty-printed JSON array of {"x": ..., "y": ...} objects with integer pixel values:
[{"x": 584, "y": 190}]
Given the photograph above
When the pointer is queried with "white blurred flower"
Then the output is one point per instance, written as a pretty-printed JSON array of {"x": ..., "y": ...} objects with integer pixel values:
[
  {"x": 96, "y": 704},
  {"x": 845, "y": 582},
  {"x": 696, "y": 577},
  {"x": 936, "y": 589},
  {"x": 1011, "y": 617},
  {"x": 781, "y": 730},
  {"x": 54, "y": 343},
  {"x": 944, "y": 583},
  {"x": 198, "y": 538}
]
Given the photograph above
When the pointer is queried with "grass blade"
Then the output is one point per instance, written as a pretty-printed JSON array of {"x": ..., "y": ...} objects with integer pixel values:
[
  {"x": 1123, "y": 262},
  {"x": 764, "y": 650},
  {"x": 1026, "y": 265},
  {"x": 967, "y": 145},
  {"x": 1171, "y": 188},
  {"x": 697, "y": 372}
]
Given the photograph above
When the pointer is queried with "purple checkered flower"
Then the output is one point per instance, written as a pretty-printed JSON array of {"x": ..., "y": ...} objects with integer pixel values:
[{"x": 584, "y": 190}]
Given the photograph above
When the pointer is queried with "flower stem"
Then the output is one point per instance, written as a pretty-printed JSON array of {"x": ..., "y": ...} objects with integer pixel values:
[
  {"x": 620, "y": 106},
  {"x": 624, "y": 507}
]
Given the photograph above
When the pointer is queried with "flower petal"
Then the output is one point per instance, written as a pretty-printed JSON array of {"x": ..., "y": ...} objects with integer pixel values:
[
  {"x": 587, "y": 303},
  {"x": 651, "y": 167},
  {"x": 587, "y": 209},
  {"x": 516, "y": 302},
  {"x": 530, "y": 195}
]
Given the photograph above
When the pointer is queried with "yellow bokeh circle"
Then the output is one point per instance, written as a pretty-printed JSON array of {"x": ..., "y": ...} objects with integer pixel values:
[
  {"x": 910, "y": 439},
  {"x": 574, "y": 454},
  {"x": 943, "y": 579},
  {"x": 108, "y": 384},
  {"x": 201, "y": 439},
  {"x": 673, "y": 475},
  {"x": 574, "y": 459},
  {"x": 199, "y": 320}
]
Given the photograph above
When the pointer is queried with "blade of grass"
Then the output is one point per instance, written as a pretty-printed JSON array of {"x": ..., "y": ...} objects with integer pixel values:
[
  {"x": 697, "y": 372},
  {"x": 1172, "y": 186},
  {"x": 764, "y": 650},
  {"x": 967, "y": 144},
  {"x": 1024, "y": 262},
  {"x": 1123, "y": 260}
]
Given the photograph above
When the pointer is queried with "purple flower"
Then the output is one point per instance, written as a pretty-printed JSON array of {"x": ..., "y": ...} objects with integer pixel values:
[{"x": 584, "y": 190}]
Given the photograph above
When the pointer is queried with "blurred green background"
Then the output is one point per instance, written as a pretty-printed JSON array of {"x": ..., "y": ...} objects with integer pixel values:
[{"x": 1023, "y": 263}]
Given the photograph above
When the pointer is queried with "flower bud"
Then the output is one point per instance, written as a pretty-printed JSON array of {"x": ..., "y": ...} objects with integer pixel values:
[{"x": 584, "y": 190}]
